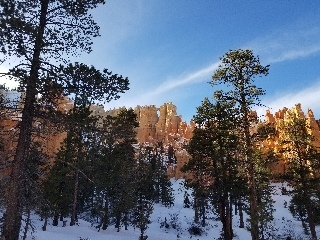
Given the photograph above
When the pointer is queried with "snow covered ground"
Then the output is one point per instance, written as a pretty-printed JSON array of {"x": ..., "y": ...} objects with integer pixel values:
[{"x": 283, "y": 222}]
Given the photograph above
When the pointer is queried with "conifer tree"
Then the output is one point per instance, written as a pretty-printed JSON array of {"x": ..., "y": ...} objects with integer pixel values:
[
  {"x": 38, "y": 34},
  {"x": 87, "y": 86},
  {"x": 161, "y": 184},
  {"x": 144, "y": 192},
  {"x": 114, "y": 169},
  {"x": 35, "y": 170},
  {"x": 238, "y": 70},
  {"x": 199, "y": 166},
  {"x": 215, "y": 138}
]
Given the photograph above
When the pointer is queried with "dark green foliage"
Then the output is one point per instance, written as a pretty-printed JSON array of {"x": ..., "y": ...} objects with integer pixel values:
[
  {"x": 144, "y": 194},
  {"x": 199, "y": 166},
  {"x": 88, "y": 85},
  {"x": 237, "y": 71},
  {"x": 215, "y": 142},
  {"x": 113, "y": 170},
  {"x": 38, "y": 34},
  {"x": 162, "y": 189}
]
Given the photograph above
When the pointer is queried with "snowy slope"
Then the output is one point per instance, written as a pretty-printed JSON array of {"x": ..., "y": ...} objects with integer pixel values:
[{"x": 283, "y": 222}]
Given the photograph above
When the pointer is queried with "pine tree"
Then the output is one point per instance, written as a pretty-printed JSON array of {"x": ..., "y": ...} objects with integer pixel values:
[
  {"x": 38, "y": 34},
  {"x": 32, "y": 192},
  {"x": 161, "y": 183},
  {"x": 215, "y": 138},
  {"x": 199, "y": 166},
  {"x": 237, "y": 70},
  {"x": 144, "y": 192},
  {"x": 114, "y": 168},
  {"x": 87, "y": 86}
]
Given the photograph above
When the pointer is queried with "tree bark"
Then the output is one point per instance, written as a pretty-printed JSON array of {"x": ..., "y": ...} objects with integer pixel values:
[
  {"x": 250, "y": 169},
  {"x": 26, "y": 228},
  {"x": 55, "y": 220},
  {"x": 311, "y": 223},
  {"x": 253, "y": 205},
  {"x": 196, "y": 210},
  {"x": 12, "y": 222},
  {"x": 105, "y": 219},
  {"x": 44, "y": 227},
  {"x": 225, "y": 216},
  {"x": 75, "y": 200},
  {"x": 241, "y": 225},
  {"x": 228, "y": 229}
]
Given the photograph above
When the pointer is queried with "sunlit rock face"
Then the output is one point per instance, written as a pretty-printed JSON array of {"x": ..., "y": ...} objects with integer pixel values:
[
  {"x": 282, "y": 115},
  {"x": 157, "y": 125},
  {"x": 163, "y": 125},
  {"x": 147, "y": 117}
]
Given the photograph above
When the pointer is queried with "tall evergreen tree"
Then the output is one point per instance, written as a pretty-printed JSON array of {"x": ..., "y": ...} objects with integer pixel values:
[
  {"x": 38, "y": 33},
  {"x": 87, "y": 86},
  {"x": 115, "y": 167},
  {"x": 161, "y": 184},
  {"x": 144, "y": 195},
  {"x": 238, "y": 70},
  {"x": 215, "y": 139},
  {"x": 199, "y": 166}
]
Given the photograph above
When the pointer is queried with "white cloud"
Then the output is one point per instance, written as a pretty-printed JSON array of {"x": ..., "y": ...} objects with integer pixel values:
[
  {"x": 190, "y": 78},
  {"x": 308, "y": 97},
  {"x": 161, "y": 93},
  {"x": 277, "y": 47},
  {"x": 286, "y": 45}
]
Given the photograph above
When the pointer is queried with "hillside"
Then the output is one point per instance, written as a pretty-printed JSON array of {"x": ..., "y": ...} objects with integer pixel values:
[{"x": 284, "y": 224}]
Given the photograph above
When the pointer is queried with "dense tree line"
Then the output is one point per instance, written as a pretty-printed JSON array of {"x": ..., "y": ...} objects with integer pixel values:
[
  {"x": 100, "y": 172},
  {"x": 111, "y": 179}
]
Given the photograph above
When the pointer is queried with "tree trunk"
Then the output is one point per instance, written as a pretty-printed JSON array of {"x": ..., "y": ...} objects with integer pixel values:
[
  {"x": 44, "y": 227},
  {"x": 203, "y": 215},
  {"x": 12, "y": 222},
  {"x": 241, "y": 225},
  {"x": 118, "y": 221},
  {"x": 228, "y": 222},
  {"x": 236, "y": 209},
  {"x": 26, "y": 228},
  {"x": 75, "y": 197},
  {"x": 55, "y": 220},
  {"x": 253, "y": 206},
  {"x": 311, "y": 222},
  {"x": 126, "y": 221},
  {"x": 251, "y": 178},
  {"x": 105, "y": 219},
  {"x": 225, "y": 218},
  {"x": 196, "y": 210}
]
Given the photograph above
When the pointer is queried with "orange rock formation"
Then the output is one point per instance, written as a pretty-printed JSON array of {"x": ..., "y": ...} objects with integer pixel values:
[
  {"x": 159, "y": 125},
  {"x": 282, "y": 116}
]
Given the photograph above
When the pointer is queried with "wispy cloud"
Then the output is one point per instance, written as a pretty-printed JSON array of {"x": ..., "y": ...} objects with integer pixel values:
[
  {"x": 185, "y": 79},
  {"x": 286, "y": 45},
  {"x": 308, "y": 97},
  {"x": 275, "y": 47},
  {"x": 160, "y": 94}
]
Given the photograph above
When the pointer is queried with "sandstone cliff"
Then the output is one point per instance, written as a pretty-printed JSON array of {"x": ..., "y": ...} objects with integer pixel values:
[{"x": 162, "y": 125}]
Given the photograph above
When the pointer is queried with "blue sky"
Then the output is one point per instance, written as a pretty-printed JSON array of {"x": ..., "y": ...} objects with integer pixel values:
[{"x": 170, "y": 49}]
